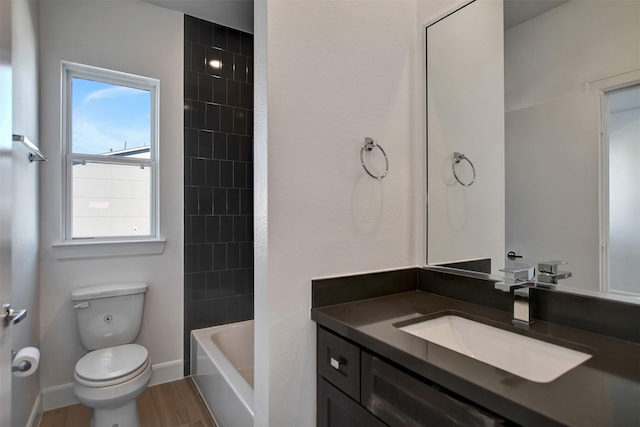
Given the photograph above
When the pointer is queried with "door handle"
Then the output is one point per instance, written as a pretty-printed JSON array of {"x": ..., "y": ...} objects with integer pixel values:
[{"x": 10, "y": 315}]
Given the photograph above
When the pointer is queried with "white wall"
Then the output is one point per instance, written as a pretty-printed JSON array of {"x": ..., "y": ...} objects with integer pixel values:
[
  {"x": 328, "y": 74},
  {"x": 552, "y": 128},
  {"x": 236, "y": 14},
  {"x": 138, "y": 38},
  {"x": 25, "y": 277}
]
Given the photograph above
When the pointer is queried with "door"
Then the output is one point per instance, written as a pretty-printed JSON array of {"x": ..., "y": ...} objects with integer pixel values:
[{"x": 6, "y": 136}]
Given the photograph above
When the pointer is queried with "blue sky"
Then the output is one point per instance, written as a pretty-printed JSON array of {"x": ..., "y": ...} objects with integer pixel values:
[{"x": 106, "y": 115}]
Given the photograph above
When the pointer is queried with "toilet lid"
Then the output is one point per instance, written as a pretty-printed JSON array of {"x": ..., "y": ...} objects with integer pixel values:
[{"x": 111, "y": 362}]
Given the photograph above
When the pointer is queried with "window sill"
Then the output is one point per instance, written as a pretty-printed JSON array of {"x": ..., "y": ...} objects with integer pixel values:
[{"x": 118, "y": 248}]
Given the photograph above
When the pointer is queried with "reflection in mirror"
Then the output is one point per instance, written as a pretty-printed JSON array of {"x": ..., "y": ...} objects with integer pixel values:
[{"x": 571, "y": 193}]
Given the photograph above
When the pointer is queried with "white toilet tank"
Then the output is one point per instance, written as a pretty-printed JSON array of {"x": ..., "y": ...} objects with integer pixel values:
[{"x": 109, "y": 315}]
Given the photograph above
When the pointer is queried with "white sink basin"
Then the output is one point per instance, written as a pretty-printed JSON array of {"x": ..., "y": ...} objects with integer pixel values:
[{"x": 526, "y": 357}]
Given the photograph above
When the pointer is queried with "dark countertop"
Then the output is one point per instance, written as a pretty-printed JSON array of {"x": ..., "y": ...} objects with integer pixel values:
[{"x": 603, "y": 391}]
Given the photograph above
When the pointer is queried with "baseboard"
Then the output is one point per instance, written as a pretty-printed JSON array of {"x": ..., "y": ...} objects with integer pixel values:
[
  {"x": 36, "y": 413},
  {"x": 58, "y": 396},
  {"x": 167, "y": 371},
  {"x": 62, "y": 395}
]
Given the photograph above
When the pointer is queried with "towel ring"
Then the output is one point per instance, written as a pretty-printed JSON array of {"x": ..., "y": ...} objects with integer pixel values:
[
  {"x": 457, "y": 158},
  {"x": 369, "y": 145}
]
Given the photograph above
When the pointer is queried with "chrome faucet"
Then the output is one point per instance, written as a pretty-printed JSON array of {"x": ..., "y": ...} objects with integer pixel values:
[
  {"x": 519, "y": 281},
  {"x": 548, "y": 272}
]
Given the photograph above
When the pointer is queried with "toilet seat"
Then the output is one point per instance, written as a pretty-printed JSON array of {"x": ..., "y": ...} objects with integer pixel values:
[{"x": 112, "y": 365}]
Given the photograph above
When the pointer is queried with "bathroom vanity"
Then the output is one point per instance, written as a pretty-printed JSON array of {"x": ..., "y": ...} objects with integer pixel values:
[{"x": 371, "y": 372}]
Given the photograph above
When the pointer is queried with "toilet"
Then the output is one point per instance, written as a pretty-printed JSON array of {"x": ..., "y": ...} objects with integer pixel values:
[{"x": 115, "y": 371}]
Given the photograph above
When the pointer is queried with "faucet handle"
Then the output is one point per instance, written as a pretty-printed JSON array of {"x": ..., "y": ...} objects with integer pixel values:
[
  {"x": 519, "y": 272},
  {"x": 550, "y": 266}
]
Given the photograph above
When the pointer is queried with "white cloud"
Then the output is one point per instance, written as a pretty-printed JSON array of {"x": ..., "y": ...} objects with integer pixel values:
[{"x": 112, "y": 92}]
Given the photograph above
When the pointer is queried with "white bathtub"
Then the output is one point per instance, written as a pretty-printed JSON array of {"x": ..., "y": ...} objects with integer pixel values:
[{"x": 222, "y": 369}]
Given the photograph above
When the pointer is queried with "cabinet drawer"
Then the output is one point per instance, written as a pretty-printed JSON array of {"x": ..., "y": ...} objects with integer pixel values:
[
  {"x": 339, "y": 362},
  {"x": 399, "y": 399},
  {"x": 335, "y": 409}
]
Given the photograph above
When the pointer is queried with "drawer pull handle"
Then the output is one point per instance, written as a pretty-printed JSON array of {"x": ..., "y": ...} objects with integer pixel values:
[{"x": 335, "y": 363}]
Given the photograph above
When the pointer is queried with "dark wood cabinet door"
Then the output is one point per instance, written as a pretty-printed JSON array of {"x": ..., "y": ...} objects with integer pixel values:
[{"x": 336, "y": 409}]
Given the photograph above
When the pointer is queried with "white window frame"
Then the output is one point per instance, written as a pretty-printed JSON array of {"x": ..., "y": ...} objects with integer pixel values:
[{"x": 70, "y": 247}]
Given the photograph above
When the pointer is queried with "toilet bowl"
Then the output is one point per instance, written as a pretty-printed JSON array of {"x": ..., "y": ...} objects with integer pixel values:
[{"x": 111, "y": 376}]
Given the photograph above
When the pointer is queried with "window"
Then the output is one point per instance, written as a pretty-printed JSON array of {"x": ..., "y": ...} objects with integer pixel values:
[{"x": 110, "y": 143}]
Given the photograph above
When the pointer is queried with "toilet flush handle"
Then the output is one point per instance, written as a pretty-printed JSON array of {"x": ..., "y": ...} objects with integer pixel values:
[{"x": 83, "y": 304}]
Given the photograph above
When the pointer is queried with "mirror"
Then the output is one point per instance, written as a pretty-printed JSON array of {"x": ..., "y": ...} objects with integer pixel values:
[{"x": 551, "y": 186}]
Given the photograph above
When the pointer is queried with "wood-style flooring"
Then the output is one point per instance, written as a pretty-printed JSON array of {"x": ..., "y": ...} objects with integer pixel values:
[{"x": 174, "y": 404}]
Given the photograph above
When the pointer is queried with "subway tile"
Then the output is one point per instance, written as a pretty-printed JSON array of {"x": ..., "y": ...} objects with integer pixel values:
[
  {"x": 190, "y": 85},
  {"x": 233, "y": 93},
  {"x": 213, "y": 117},
  {"x": 204, "y": 201},
  {"x": 246, "y": 306},
  {"x": 191, "y": 200},
  {"x": 213, "y": 284},
  {"x": 190, "y": 143},
  {"x": 246, "y": 255},
  {"x": 226, "y": 173},
  {"x": 219, "y": 311},
  {"x": 250, "y": 175},
  {"x": 239, "y": 175},
  {"x": 190, "y": 28},
  {"x": 220, "y": 90},
  {"x": 197, "y": 172},
  {"x": 213, "y": 229},
  {"x": 226, "y": 228},
  {"x": 250, "y": 279},
  {"x": 249, "y": 228},
  {"x": 205, "y": 314},
  {"x": 233, "y": 147},
  {"x": 233, "y": 309},
  {"x": 198, "y": 287},
  {"x": 205, "y": 32},
  {"x": 249, "y": 122},
  {"x": 240, "y": 281},
  {"x": 212, "y": 178},
  {"x": 197, "y": 229},
  {"x": 233, "y": 201},
  {"x": 226, "y": 119},
  {"x": 205, "y": 88},
  {"x": 205, "y": 145},
  {"x": 250, "y": 70},
  {"x": 214, "y": 62},
  {"x": 246, "y": 44},
  {"x": 187, "y": 229},
  {"x": 246, "y": 96},
  {"x": 187, "y": 113},
  {"x": 226, "y": 282},
  {"x": 240, "y": 68},
  {"x": 239, "y": 228},
  {"x": 190, "y": 258},
  {"x": 187, "y": 55},
  {"x": 246, "y": 148},
  {"x": 233, "y": 40},
  {"x": 205, "y": 258},
  {"x": 219, "y": 201},
  {"x": 227, "y": 64},
  {"x": 198, "y": 58},
  {"x": 197, "y": 114},
  {"x": 246, "y": 202},
  {"x": 219, "y": 256},
  {"x": 233, "y": 255},
  {"x": 219, "y": 145},
  {"x": 220, "y": 36},
  {"x": 187, "y": 288},
  {"x": 240, "y": 121},
  {"x": 187, "y": 171}
]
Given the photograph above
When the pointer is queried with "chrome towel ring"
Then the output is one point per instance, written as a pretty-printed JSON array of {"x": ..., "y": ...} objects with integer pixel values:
[
  {"x": 457, "y": 158},
  {"x": 369, "y": 145}
]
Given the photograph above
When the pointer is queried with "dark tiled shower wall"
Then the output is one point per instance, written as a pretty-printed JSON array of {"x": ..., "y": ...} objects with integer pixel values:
[{"x": 218, "y": 176}]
